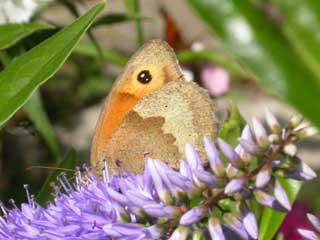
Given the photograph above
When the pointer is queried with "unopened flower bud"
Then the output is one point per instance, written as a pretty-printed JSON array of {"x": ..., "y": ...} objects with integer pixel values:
[
  {"x": 231, "y": 171},
  {"x": 198, "y": 235},
  {"x": 290, "y": 149},
  {"x": 315, "y": 222},
  {"x": 250, "y": 224},
  {"x": 181, "y": 233},
  {"x": 272, "y": 122},
  {"x": 273, "y": 138},
  {"x": 215, "y": 229},
  {"x": 307, "y": 132},
  {"x": 295, "y": 120},
  {"x": 264, "y": 198},
  {"x": 160, "y": 210},
  {"x": 213, "y": 157},
  {"x": 230, "y": 154},
  {"x": 263, "y": 176},
  {"x": 234, "y": 185},
  {"x": 248, "y": 146},
  {"x": 235, "y": 225},
  {"x": 260, "y": 133},
  {"x": 193, "y": 215},
  {"x": 308, "y": 234},
  {"x": 281, "y": 196},
  {"x": 192, "y": 157}
]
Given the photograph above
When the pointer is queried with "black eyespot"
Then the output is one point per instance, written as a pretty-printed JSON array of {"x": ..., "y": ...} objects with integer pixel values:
[{"x": 144, "y": 77}]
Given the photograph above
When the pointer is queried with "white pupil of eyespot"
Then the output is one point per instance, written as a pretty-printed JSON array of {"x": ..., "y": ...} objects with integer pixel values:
[{"x": 143, "y": 75}]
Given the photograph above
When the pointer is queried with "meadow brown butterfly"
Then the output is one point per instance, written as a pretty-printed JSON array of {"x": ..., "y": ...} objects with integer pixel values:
[{"x": 151, "y": 108}]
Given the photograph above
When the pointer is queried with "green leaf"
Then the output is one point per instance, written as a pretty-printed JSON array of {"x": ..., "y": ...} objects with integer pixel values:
[
  {"x": 214, "y": 57},
  {"x": 68, "y": 163},
  {"x": 12, "y": 33},
  {"x": 38, "y": 116},
  {"x": 271, "y": 219},
  {"x": 231, "y": 128},
  {"x": 27, "y": 72},
  {"x": 260, "y": 46},
  {"x": 133, "y": 9},
  {"x": 301, "y": 24},
  {"x": 89, "y": 50},
  {"x": 113, "y": 18}
]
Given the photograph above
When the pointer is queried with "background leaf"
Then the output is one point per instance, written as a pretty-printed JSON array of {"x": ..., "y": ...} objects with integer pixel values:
[
  {"x": 271, "y": 219},
  {"x": 89, "y": 50},
  {"x": 133, "y": 9},
  {"x": 24, "y": 75},
  {"x": 113, "y": 18},
  {"x": 265, "y": 52},
  {"x": 300, "y": 23},
  {"x": 69, "y": 162},
  {"x": 230, "y": 129},
  {"x": 36, "y": 113},
  {"x": 12, "y": 33},
  {"x": 214, "y": 57}
]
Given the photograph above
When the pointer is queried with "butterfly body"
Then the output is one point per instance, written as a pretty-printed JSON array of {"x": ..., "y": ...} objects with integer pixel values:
[{"x": 151, "y": 109}]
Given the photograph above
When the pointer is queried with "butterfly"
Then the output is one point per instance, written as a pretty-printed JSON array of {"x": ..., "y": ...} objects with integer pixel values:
[{"x": 152, "y": 109}]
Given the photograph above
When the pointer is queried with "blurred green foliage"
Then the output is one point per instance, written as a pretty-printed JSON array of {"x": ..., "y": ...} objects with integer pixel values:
[{"x": 261, "y": 46}]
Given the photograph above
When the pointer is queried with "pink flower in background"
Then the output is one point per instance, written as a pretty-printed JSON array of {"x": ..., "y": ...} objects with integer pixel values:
[
  {"x": 295, "y": 219},
  {"x": 215, "y": 79}
]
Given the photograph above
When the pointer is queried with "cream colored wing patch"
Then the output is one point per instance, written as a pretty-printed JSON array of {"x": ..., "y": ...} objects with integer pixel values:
[{"x": 161, "y": 124}]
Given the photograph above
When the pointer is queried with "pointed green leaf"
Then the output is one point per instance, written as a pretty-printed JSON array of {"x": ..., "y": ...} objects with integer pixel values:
[
  {"x": 26, "y": 73},
  {"x": 89, "y": 50},
  {"x": 271, "y": 219},
  {"x": 133, "y": 8},
  {"x": 113, "y": 18},
  {"x": 39, "y": 118},
  {"x": 230, "y": 129},
  {"x": 12, "y": 33}
]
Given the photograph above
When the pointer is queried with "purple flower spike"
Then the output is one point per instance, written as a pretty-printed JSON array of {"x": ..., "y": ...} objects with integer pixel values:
[
  {"x": 192, "y": 157},
  {"x": 230, "y": 154},
  {"x": 234, "y": 185},
  {"x": 181, "y": 233},
  {"x": 260, "y": 133},
  {"x": 215, "y": 229},
  {"x": 263, "y": 177},
  {"x": 281, "y": 196},
  {"x": 250, "y": 224},
  {"x": 308, "y": 234},
  {"x": 235, "y": 225},
  {"x": 248, "y": 146},
  {"x": 272, "y": 122},
  {"x": 213, "y": 157},
  {"x": 314, "y": 221},
  {"x": 192, "y": 216}
]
